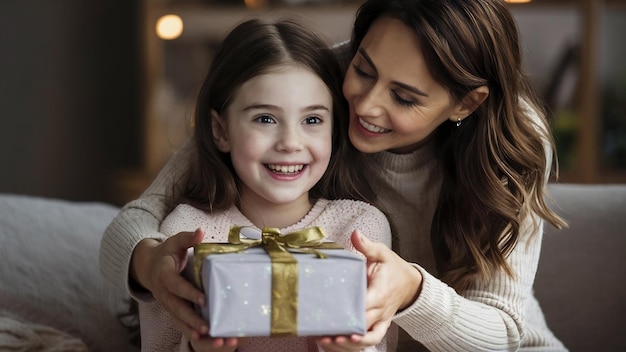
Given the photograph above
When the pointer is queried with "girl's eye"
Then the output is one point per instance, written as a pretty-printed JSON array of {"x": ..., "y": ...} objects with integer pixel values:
[
  {"x": 402, "y": 101},
  {"x": 312, "y": 120},
  {"x": 265, "y": 119},
  {"x": 359, "y": 71}
]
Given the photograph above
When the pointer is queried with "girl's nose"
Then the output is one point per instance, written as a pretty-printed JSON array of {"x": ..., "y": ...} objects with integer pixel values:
[{"x": 289, "y": 140}]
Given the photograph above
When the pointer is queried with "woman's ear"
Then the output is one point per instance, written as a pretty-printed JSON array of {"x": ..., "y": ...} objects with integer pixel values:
[
  {"x": 470, "y": 102},
  {"x": 220, "y": 132}
]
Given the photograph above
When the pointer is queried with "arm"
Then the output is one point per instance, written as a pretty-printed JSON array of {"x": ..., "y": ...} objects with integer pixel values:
[
  {"x": 138, "y": 220},
  {"x": 486, "y": 317},
  {"x": 135, "y": 255}
]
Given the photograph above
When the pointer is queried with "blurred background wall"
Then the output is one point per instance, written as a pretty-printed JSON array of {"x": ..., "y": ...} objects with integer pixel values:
[
  {"x": 69, "y": 95},
  {"x": 93, "y": 102}
]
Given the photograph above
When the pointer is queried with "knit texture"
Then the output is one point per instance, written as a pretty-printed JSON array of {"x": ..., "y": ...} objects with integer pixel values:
[
  {"x": 337, "y": 218},
  {"x": 502, "y": 314}
]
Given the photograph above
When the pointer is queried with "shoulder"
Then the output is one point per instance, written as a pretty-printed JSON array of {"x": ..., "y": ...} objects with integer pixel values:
[
  {"x": 344, "y": 216},
  {"x": 354, "y": 208},
  {"x": 187, "y": 211},
  {"x": 188, "y": 218},
  {"x": 182, "y": 218}
]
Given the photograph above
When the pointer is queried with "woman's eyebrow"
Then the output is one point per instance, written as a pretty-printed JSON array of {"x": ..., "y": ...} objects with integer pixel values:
[{"x": 410, "y": 88}]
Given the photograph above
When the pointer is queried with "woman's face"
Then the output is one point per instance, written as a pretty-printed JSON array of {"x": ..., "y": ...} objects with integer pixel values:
[{"x": 394, "y": 101}]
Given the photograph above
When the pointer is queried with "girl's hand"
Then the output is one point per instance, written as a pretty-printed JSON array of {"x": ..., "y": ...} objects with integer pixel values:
[
  {"x": 392, "y": 285},
  {"x": 157, "y": 267},
  {"x": 353, "y": 342},
  {"x": 209, "y": 344}
]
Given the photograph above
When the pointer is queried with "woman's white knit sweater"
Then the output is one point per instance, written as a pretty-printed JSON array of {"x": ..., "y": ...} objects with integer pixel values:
[{"x": 500, "y": 315}]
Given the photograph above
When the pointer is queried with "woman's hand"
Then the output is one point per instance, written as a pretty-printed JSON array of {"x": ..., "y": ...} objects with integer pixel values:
[
  {"x": 392, "y": 285},
  {"x": 157, "y": 266}
]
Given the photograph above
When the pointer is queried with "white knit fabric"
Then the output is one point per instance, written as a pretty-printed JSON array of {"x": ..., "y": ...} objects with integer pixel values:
[
  {"x": 337, "y": 218},
  {"x": 500, "y": 315}
]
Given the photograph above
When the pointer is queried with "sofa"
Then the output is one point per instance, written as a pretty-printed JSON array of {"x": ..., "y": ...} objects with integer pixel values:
[{"x": 53, "y": 298}]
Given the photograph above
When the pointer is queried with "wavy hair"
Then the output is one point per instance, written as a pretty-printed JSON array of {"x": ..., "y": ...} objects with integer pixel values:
[
  {"x": 497, "y": 163},
  {"x": 253, "y": 48}
]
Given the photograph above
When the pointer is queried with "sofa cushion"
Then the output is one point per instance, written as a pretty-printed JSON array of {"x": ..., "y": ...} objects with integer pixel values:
[
  {"x": 580, "y": 281},
  {"x": 49, "y": 271}
]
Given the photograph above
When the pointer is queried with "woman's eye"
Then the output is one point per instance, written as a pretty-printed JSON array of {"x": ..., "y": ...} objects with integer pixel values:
[
  {"x": 359, "y": 71},
  {"x": 265, "y": 119},
  {"x": 402, "y": 101},
  {"x": 312, "y": 120}
]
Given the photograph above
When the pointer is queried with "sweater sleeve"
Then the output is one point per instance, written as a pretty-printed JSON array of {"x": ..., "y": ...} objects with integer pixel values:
[
  {"x": 488, "y": 316},
  {"x": 139, "y": 219}
]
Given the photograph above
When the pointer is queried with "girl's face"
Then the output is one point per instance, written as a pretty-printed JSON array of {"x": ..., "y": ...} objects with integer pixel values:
[
  {"x": 278, "y": 131},
  {"x": 394, "y": 101}
]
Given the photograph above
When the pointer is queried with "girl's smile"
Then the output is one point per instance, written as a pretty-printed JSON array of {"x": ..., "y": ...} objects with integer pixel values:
[{"x": 278, "y": 131}]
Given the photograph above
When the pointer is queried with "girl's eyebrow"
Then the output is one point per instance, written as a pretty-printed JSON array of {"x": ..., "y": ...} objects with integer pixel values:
[
  {"x": 367, "y": 58},
  {"x": 256, "y": 106},
  {"x": 275, "y": 108},
  {"x": 316, "y": 107}
]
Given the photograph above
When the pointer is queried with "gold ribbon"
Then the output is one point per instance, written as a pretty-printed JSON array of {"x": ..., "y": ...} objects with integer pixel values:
[{"x": 284, "y": 320}]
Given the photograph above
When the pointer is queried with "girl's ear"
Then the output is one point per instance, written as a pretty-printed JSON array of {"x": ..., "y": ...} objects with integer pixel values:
[
  {"x": 470, "y": 102},
  {"x": 220, "y": 132}
]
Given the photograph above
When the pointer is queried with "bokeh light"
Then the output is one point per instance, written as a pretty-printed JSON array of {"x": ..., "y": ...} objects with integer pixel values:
[{"x": 169, "y": 27}]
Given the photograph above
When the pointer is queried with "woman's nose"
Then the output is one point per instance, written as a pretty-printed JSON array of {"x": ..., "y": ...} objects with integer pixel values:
[{"x": 370, "y": 102}]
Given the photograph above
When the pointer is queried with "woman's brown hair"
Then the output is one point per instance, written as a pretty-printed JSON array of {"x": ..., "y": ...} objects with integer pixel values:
[{"x": 497, "y": 162}]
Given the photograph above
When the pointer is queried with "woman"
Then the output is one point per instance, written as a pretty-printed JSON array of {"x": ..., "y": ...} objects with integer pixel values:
[{"x": 458, "y": 152}]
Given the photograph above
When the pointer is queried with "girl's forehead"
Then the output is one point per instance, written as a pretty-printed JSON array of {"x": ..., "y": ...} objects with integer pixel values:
[{"x": 290, "y": 87}]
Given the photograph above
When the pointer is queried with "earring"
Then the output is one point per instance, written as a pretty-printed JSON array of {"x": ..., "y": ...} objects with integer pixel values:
[{"x": 458, "y": 121}]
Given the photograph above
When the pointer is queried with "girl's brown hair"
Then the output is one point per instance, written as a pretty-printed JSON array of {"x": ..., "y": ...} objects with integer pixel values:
[
  {"x": 253, "y": 48},
  {"x": 495, "y": 162}
]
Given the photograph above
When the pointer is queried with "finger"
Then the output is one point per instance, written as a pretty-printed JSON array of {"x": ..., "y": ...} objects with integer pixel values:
[
  {"x": 182, "y": 310},
  {"x": 341, "y": 344},
  {"x": 183, "y": 240},
  {"x": 374, "y": 336},
  {"x": 371, "y": 250},
  {"x": 374, "y": 314},
  {"x": 181, "y": 287},
  {"x": 188, "y": 331},
  {"x": 213, "y": 344},
  {"x": 231, "y": 341},
  {"x": 190, "y": 317}
]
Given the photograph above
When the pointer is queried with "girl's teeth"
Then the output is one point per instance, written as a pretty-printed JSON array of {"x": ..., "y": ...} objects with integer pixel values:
[
  {"x": 373, "y": 128},
  {"x": 285, "y": 169}
]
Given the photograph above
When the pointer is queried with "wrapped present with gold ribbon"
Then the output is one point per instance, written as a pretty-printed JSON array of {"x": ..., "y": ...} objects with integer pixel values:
[{"x": 276, "y": 285}]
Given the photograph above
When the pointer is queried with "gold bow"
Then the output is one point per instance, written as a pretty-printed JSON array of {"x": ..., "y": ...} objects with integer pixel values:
[{"x": 284, "y": 321}]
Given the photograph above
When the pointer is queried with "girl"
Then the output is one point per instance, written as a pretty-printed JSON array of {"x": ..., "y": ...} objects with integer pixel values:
[{"x": 266, "y": 133}]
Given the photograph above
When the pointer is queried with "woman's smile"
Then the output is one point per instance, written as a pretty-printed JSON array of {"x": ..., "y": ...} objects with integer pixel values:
[{"x": 372, "y": 128}]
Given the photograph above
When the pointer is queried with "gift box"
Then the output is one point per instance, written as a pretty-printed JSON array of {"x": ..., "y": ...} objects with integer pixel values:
[{"x": 273, "y": 289}]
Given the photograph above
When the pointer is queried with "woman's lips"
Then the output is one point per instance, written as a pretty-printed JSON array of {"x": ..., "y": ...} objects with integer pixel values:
[{"x": 372, "y": 128}]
